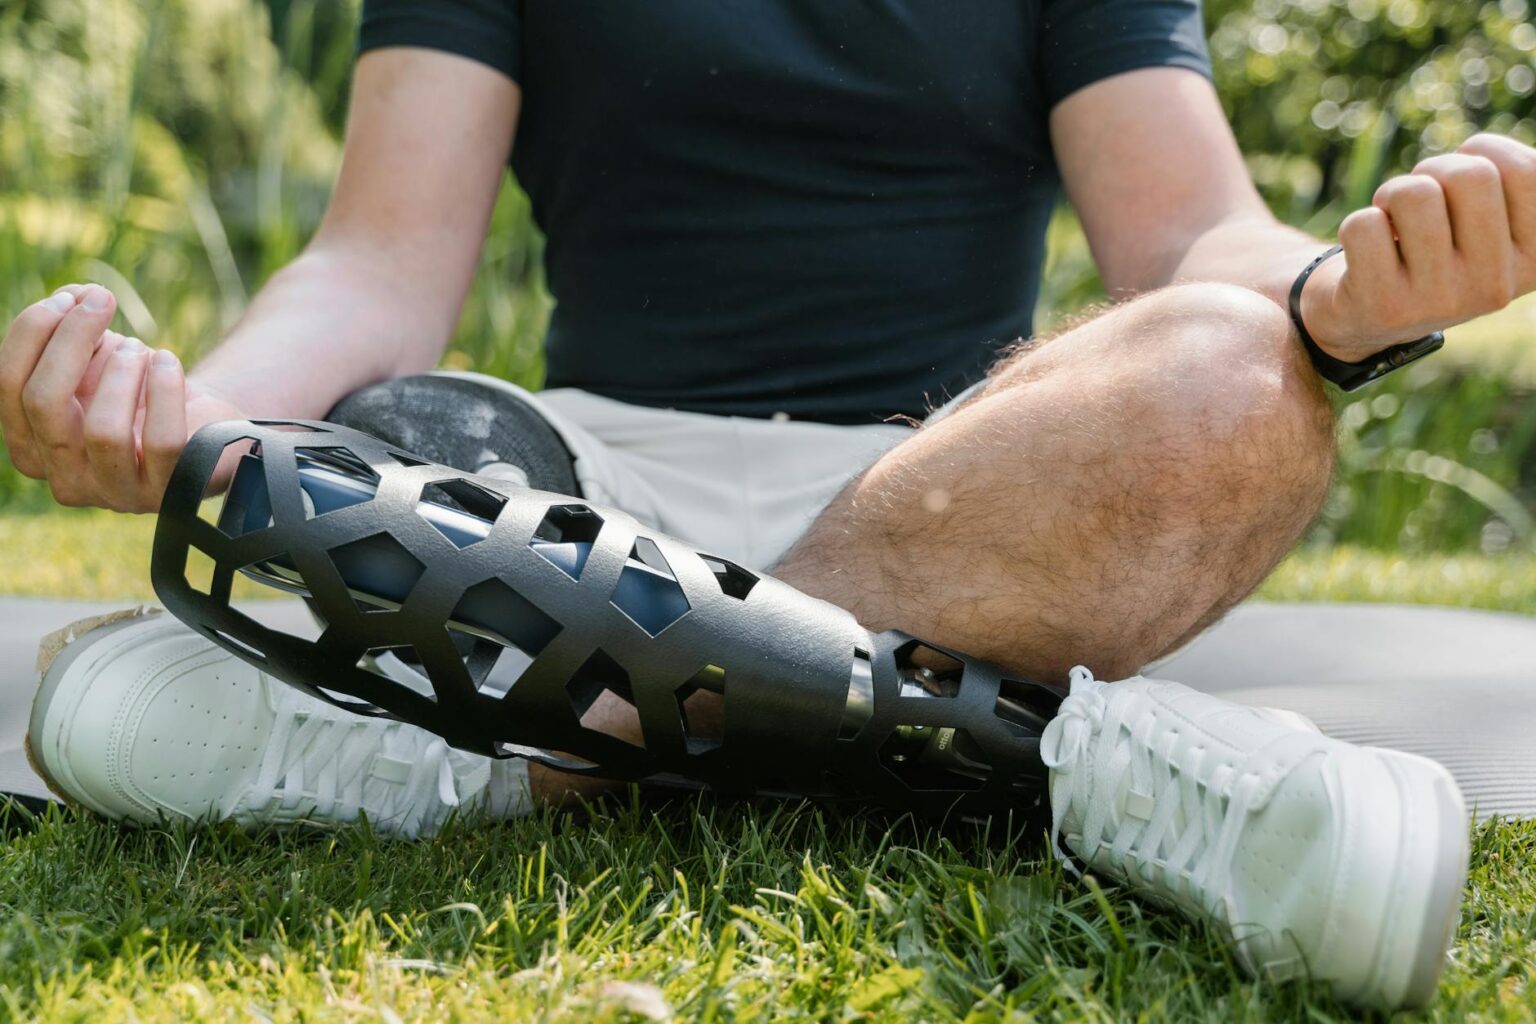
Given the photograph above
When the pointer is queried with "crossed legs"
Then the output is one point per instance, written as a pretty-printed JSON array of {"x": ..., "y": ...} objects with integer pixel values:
[
  {"x": 1106, "y": 496},
  {"x": 1109, "y": 494}
]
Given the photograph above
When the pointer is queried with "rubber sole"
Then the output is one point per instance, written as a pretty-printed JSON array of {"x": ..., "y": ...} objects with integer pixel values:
[{"x": 1449, "y": 879}]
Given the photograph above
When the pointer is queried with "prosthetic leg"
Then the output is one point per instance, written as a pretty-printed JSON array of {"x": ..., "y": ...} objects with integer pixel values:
[{"x": 524, "y": 609}]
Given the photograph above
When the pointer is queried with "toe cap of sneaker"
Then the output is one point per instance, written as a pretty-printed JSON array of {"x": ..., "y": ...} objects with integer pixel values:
[{"x": 151, "y": 720}]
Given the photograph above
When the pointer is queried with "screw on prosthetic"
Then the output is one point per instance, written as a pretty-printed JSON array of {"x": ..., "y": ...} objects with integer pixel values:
[{"x": 525, "y": 610}]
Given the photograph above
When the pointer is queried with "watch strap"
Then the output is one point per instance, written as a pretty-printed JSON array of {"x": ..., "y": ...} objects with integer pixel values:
[{"x": 1353, "y": 376}]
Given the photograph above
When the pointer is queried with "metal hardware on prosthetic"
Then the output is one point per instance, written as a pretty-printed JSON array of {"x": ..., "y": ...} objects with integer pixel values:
[{"x": 525, "y": 608}]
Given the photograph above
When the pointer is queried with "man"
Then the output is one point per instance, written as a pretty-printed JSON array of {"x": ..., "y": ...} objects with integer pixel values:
[{"x": 772, "y": 229}]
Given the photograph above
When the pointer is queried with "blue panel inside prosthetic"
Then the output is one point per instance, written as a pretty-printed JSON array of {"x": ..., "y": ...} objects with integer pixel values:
[
  {"x": 495, "y": 610},
  {"x": 247, "y": 506},
  {"x": 460, "y": 528},
  {"x": 377, "y": 569},
  {"x": 569, "y": 557},
  {"x": 650, "y": 597},
  {"x": 329, "y": 490}
]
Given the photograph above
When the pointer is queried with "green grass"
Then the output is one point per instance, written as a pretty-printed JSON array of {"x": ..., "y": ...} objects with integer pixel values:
[
  {"x": 692, "y": 910},
  {"x": 702, "y": 911}
]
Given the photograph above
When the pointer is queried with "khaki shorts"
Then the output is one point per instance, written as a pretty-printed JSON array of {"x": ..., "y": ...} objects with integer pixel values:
[{"x": 745, "y": 489}]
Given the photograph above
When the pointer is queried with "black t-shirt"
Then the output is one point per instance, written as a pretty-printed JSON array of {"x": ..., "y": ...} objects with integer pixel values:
[{"x": 830, "y": 208}]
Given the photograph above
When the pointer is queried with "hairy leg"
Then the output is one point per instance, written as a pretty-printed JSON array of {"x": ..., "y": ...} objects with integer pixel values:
[
  {"x": 1104, "y": 498},
  {"x": 1108, "y": 495}
]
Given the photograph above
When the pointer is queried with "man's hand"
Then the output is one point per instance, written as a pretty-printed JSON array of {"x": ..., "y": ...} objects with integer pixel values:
[
  {"x": 1452, "y": 241},
  {"x": 99, "y": 416}
]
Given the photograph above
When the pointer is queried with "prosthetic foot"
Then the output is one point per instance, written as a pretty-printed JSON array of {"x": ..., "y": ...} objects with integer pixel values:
[{"x": 572, "y": 635}]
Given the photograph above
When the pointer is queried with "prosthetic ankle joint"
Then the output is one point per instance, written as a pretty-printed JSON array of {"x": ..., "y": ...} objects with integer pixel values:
[{"x": 569, "y": 634}]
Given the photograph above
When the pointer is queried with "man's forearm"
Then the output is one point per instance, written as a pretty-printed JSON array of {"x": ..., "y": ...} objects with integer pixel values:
[
  {"x": 1257, "y": 252},
  {"x": 322, "y": 327}
]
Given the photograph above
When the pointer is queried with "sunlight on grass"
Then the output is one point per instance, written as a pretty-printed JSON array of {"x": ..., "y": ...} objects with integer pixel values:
[
  {"x": 85, "y": 553},
  {"x": 1505, "y": 582}
]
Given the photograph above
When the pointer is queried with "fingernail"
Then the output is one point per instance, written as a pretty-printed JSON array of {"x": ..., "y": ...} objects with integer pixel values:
[
  {"x": 132, "y": 346},
  {"x": 97, "y": 299},
  {"x": 164, "y": 358},
  {"x": 61, "y": 302}
]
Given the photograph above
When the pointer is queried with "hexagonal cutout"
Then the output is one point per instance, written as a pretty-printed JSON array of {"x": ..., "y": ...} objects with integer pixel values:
[
  {"x": 494, "y": 668},
  {"x": 734, "y": 581},
  {"x": 400, "y": 665},
  {"x": 378, "y": 572},
  {"x": 498, "y": 633},
  {"x": 332, "y": 479},
  {"x": 310, "y": 627},
  {"x": 244, "y": 506},
  {"x": 927, "y": 757},
  {"x": 493, "y": 610},
  {"x": 408, "y": 461},
  {"x": 926, "y": 671},
  {"x": 603, "y": 701},
  {"x": 565, "y": 537},
  {"x": 199, "y": 571},
  {"x": 647, "y": 591},
  {"x": 701, "y": 703},
  {"x": 1026, "y": 706},
  {"x": 860, "y": 706},
  {"x": 461, "y": 511}
]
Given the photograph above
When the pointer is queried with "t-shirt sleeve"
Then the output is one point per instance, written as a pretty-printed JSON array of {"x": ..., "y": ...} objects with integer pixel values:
[
  {"x": 1084, "y": 41},
  {"x": 489, "y": 31}
]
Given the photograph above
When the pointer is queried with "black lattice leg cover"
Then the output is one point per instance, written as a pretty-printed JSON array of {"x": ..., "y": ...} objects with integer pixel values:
[{"x": 524, "y": 608}]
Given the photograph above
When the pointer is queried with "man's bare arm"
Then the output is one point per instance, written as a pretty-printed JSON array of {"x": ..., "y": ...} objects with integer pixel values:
[
  {"x": 375, "y": 294},
  {"x": 378, "y": 290},
  {"x": 1155, "y": 173}
]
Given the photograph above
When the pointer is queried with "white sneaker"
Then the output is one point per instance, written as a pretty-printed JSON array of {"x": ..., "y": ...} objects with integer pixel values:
[
  {"x": 141, "y": 719},
  {"x": 1321, "y": 858}
]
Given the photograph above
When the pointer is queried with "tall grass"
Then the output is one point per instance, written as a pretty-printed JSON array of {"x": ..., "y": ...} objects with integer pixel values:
[{"x": 181, "y": 152}]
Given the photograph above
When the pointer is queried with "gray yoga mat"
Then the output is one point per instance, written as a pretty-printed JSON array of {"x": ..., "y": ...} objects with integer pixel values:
[{"x": 1458, "y": 686}]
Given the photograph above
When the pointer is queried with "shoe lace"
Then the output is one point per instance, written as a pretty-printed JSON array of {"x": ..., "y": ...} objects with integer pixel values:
[
  {"x": 341, "y": 764},
  {"x": 1181, "y": 821}
]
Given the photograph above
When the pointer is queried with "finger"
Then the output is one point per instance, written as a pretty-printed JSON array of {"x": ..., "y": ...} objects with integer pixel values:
[
  {"x": 1474, "y": 199},
  {"x": 49, "y": 396},
  {"x": 1421, "y": 222},
  {"x": 165, "y": 421},
  {"x": 1371, "y": 252},
  {"x": 1517, "y": 174},
  {"x": 109, "y": 344},
  {"x": 24, "y": 343},
  {"x": 108, "y": 427}
]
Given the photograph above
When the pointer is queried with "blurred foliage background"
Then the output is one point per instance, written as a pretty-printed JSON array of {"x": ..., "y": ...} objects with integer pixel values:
[{"x": 179, "y": 151}]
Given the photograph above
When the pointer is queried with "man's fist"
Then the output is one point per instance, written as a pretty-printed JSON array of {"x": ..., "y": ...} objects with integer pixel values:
[
  {"x": 1452, "y": 241},
  {"x": 99, "y": 416}
]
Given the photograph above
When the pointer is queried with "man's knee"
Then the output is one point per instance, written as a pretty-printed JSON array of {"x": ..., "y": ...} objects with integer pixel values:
[{"x": 1233, "y": 386}]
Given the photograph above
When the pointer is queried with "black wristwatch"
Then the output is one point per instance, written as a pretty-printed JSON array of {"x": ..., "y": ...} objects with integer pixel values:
[{"x": 1354, "y": 376}]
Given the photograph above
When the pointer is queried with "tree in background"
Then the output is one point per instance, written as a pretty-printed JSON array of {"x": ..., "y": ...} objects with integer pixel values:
[{"x": 1331, "y": 96}]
